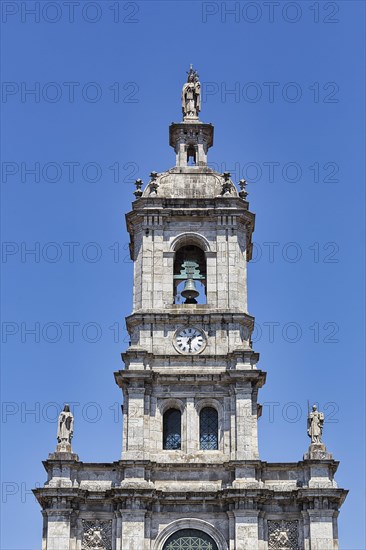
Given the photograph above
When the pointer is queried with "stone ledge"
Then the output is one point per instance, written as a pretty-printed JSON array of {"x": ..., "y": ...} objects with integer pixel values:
[{"x": 64, "y": 456}]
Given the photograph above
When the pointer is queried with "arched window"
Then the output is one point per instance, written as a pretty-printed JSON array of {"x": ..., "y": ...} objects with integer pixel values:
[
  {"x": 209, "y": 427},
  {"x": 172, "y": 429},
  {"x": 192, "y": 539},
  {"x": 189, "y": 280}
]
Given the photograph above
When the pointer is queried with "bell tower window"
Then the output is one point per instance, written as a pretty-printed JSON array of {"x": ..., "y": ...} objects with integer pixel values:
[
  {"x": 209, "y": 428},
  {"x": 189, "y": 279},
  {"x": 172, "y": 430},
  {"x": 191, "y": 156}
]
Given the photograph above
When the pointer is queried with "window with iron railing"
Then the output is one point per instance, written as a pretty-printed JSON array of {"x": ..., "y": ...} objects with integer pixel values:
[
  {"x": 209, "y": 427},
  {"x": 172, "y": 429}
]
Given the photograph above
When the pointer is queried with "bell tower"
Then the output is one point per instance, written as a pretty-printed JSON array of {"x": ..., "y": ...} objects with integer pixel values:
[
  {"x": 190, "y": 366},
  {"x": 190, "y": 475}
]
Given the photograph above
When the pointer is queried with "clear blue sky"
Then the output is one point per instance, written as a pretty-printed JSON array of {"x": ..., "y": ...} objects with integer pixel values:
[{"x": 105, "y": 93}]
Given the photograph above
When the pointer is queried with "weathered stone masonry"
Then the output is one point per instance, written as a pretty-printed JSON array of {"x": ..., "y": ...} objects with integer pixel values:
[{"x": 190, "y": 475}]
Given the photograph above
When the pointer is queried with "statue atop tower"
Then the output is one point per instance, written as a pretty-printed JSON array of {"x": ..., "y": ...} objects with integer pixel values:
[
  {"x": 191, "y": 138},
  {"x": 191, "y": 96},
  {"x": 315, "y": 425},
  {"x": 65, "y": 430}
]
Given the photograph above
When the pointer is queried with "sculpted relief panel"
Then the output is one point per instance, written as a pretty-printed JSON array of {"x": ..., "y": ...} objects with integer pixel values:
[
  {"x": 283, "y": 535},
  {"x": 97, "y": 535}
]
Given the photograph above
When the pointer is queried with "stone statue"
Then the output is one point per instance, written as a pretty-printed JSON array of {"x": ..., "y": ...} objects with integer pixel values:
[
  {"x": 65, "y": 430},
  {"x": 191, "y": 95},
  {"x": 315, "y": 425}
]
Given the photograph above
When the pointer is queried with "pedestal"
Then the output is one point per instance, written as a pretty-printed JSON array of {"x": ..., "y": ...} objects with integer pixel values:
[{"x": 318, "y": 451}]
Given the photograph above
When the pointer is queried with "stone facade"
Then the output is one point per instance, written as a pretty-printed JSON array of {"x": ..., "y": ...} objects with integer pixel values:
[{"x": 223, "y": 496}]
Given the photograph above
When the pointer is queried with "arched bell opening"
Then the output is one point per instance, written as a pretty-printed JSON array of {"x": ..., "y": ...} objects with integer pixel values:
[
  {"x": 191, "y": 155},
  {"x": 189, "y": 279}
]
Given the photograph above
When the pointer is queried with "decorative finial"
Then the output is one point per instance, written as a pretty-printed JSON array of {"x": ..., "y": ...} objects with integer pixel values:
[
  {"x": 226, "y": 184},
  {"x": 65, "y": 431},
  {"x": 138, "y": 192},
  {"x": 243, "y": 189},
  {"x": 191, "y": 96},
  {"x": 153, "y": 183}
]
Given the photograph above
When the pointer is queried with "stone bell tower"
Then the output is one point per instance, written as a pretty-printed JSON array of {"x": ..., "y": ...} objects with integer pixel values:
[{"x": 190, "y": 476}]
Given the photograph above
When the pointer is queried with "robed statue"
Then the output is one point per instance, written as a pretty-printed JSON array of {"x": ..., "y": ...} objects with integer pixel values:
[
  {"x": 65, "y": 429},
  {"x": 315, "y": 425},
  {"x": 191, "y": 95}
]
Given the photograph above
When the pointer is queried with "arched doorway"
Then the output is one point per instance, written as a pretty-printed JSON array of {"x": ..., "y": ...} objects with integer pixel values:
[{"x": 190, "y": 539}]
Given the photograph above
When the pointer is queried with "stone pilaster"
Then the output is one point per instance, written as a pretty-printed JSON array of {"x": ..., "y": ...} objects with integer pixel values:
[
  {"x": 321, "y": 530},
  {"x": 231, "y": 541},
  {"x": 44, "y": 530},
  {"x": 135, "y": 429},
  {"x": 133, "y": 529},
  {"x": 118, "y": 531},
  {"x": 246, "y": 529},
  {"x": 245, "y": 423},
  {"x": 58, "y": 529},
  {"x": 192, "y": 433}
]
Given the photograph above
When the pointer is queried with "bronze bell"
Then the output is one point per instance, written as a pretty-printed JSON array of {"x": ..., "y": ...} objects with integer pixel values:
[{"x": 190, "y": 292}]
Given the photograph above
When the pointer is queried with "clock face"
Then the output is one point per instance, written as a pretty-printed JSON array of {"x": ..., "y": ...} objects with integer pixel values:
[{"x": 189, "y": 340}]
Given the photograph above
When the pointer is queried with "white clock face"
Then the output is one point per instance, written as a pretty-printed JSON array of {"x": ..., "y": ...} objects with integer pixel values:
[{"x": 190, "y": 340}]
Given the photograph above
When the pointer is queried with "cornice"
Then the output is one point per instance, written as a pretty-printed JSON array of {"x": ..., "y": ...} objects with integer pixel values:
[{"x": 190, "y": 313}]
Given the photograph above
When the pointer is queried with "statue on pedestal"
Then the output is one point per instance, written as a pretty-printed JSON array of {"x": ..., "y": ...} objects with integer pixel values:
[
  {"x": 191, "y": 95},
  {"x": 65, "y": 430},
  {"x": 315, "y": 425}
]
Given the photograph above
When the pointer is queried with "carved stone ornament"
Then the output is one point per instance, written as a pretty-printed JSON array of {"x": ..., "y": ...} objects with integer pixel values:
[
  {"x": 315, "y": 425},
  {"x": 191, "y": 95},
  {"x": 97, "y": 535},
  {"x": 65, "y": 430},
  {"x": 283, "y": 535}
]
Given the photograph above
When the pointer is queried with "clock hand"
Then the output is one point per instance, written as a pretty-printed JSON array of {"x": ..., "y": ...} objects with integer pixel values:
[{"x": 189, "y": 343}]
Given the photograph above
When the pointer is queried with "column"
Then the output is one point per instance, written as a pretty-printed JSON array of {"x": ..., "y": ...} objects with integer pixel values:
[
  {"x": 167, "y": 277},
  {"x": 231, "y": 517},
  {"x": 226, "y": 428},
  {"x": 118, "y": 531},
  {"x": 262, "y": 543},
  {"x": 222, "y": 288},
  {"x": 44, "y": 530},
  {"x": 241, "y": 267},
  {"x": 147, "y": 276},
  {"x": 137, "y": 270},
  {"x": 147, "y": 531},
  {"x": 74, "y": 528},
  {"x": 192, "y": 427},
  {"x": 211, "y": 290},
  {"x": 159, "y": 274},
  {"x": 306, "y": 529}
]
